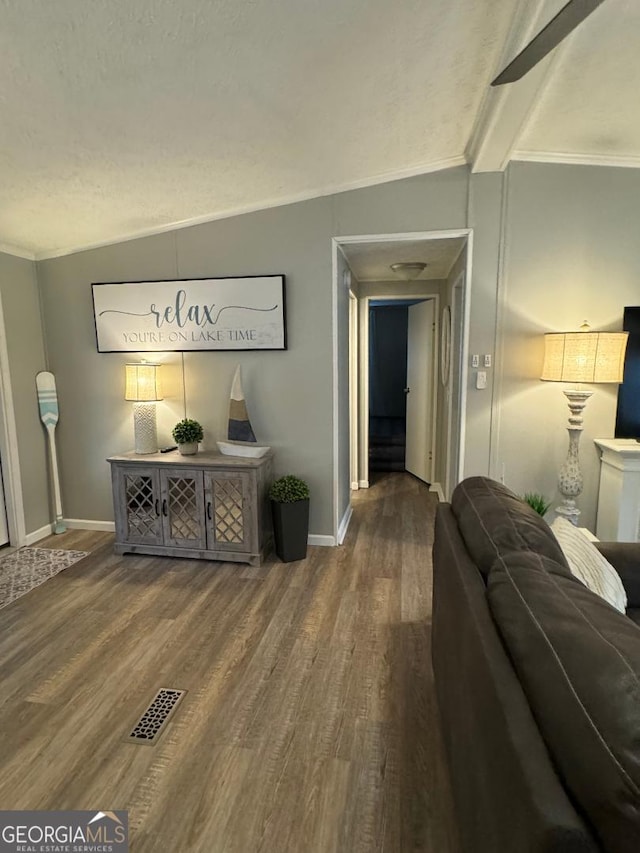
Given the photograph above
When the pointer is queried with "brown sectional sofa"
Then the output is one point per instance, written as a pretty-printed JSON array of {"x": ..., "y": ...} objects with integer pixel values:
[{"x": 537, "y": 683}]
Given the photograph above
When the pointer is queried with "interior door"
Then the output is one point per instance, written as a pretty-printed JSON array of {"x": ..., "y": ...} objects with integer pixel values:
[{"x": 420, "y": 339}]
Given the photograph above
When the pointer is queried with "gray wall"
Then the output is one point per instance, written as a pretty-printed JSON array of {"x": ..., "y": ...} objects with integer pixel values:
[
  {"x": 426, "y": 203},
  {"x": 486, "y": 219},
  {"x": 552, "y": 245},
  {"x": 573, "y": 253},
  {"x": 23, "y": 329},
  {"x": 289, "y": 393},
  {"x": 388, "y": 328}
]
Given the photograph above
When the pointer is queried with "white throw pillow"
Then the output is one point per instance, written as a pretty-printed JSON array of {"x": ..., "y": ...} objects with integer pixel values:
[{"x": 588, "y": 564}]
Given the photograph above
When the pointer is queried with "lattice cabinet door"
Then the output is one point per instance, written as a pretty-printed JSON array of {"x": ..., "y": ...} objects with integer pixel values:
[
  {"x": 183, "y": 508},
  {"x": 231, "y": 522},
  {"x": 137, "y": 507}
]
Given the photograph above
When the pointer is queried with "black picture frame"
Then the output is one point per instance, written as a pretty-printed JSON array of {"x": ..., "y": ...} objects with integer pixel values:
[{"x": 220, "y": 314}]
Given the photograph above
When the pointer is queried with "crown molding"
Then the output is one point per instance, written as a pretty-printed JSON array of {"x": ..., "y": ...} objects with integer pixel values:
[
  {"x": 374, "y": 180},
  {"x": 17, "y": 252},
  {"x": 568, "y": 158}
]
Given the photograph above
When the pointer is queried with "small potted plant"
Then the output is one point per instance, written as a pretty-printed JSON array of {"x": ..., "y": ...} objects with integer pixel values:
[
  {"x": 186, "y": 434},
  {"x": 290, "y": 507},
  {"x": 537, "y": 502}
]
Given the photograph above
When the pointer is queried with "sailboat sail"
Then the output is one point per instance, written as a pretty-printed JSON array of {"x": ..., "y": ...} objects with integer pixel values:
[{"x": 240, "y": 428}]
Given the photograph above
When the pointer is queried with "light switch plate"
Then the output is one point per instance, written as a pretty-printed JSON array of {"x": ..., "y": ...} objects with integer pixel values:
[{"x": 481, "y": 380}]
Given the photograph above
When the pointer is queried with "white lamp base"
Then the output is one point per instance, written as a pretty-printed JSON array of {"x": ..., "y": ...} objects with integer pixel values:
[
  {"x": 570, "y": 478},
  {"x": 569, "y": 510},
  {"x": 145, "y": 429}
]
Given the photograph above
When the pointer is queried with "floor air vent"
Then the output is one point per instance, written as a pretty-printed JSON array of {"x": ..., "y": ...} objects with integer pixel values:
[{"x": 151, "y": 724}]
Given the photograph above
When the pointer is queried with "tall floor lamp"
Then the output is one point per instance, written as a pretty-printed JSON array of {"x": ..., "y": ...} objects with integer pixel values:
[
  {"x": 142, "y": 387},
  {"x": 583, "y": 356}
]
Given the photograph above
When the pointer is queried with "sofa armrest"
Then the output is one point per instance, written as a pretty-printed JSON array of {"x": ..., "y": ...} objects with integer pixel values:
[{"x": 625, "y": 559}]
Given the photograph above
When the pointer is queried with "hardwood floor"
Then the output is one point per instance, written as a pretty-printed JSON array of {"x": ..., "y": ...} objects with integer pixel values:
[{"x": 309, "y": 724}]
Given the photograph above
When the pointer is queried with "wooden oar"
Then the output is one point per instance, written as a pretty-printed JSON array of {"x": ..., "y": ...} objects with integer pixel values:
[{"x": 48, "y": 403}]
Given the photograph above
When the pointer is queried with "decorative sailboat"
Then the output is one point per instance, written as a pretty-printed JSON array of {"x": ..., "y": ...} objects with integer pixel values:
[{"x": 241, "y": 437}]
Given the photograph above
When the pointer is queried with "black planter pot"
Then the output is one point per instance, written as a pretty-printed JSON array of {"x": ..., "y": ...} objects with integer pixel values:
[{"x": 291, "y": 529}]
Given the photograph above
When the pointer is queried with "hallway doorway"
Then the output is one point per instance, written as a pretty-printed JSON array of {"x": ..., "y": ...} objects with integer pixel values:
[
  {"x": 388, "y": 329},
  {"x": 402, "y": 402},
  {"x": 365, "y": 438}
]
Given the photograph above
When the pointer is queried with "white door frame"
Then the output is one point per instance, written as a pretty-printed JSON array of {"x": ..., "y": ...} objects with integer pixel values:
[
  {"x": 12, "y": 483},
  {"x": 448, "y": 484},
  {"x": 364, "y": 373},
  {"x": 336, "y": 242},
  {"x": 354, "y": 388}
]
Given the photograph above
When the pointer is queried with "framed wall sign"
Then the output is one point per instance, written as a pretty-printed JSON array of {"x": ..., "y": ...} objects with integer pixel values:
[{"x": 194, "y": 314}]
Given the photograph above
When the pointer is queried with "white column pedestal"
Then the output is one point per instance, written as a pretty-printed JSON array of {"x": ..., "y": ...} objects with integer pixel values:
[{"x": 619, "y": 495}]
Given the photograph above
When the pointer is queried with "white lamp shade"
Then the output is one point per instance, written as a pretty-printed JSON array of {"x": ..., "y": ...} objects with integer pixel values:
[
  {"x": 142, "y": 382},
  {"x": 584, "y": 356}
]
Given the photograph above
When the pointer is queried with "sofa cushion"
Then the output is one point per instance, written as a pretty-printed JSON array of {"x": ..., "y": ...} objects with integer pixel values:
[
  {"x": 508, "y": 796},
  {"x": 588, "y": 564},
  {"x": 494, "y": 521},
  {"x": 578, "y": 660}
]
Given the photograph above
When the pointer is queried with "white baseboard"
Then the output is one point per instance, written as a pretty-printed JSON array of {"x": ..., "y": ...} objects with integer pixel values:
[
  {"x": 363, "y": 484},
  {"x": 89, "y": 524},
  {"x": 37, "y": 535},
  {"x": 72, "y": 524},
  {"x": 344, "y": 524},
  {"x": 355, "y": 486},
  {"x": 437, "y": 488},
  {"x": 109, "y": 527},
  {"x": 320, "y": 539}
]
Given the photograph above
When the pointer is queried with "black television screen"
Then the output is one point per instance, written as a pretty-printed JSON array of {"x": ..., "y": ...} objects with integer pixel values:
[{"x": 628, "y": 411}]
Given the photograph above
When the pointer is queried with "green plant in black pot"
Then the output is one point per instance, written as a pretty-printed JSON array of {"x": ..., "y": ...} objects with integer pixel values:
[
  {"x": 537, "y": 502},
  {"x": 186, "y": 434},
  {"x": 290, "y": 508}
]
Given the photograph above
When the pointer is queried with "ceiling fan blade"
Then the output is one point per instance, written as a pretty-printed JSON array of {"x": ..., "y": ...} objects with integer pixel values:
[{"x": 558, "y": 28}]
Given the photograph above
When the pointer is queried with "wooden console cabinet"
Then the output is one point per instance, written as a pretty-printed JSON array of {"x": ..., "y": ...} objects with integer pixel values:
[{"x": 206, "y": 506}]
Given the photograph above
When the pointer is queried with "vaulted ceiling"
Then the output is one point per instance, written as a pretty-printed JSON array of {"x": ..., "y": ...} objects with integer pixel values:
[{"x": 125, "y": 117}]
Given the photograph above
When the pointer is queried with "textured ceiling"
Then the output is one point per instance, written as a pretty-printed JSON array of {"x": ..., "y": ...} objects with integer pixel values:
[
  {"x": 372, "y": 261},
  {"x": 128, "y": 115},
  {"x": 590, "y": 108},
  {"x": 123, "y": 117}
]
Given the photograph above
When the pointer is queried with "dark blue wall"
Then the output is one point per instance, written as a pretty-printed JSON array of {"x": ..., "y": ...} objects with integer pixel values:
[{"x": 388, "y": 360}]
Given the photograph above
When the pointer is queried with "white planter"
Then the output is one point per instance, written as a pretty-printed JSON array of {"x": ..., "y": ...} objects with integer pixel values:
[{"x": 188, "y": 449}]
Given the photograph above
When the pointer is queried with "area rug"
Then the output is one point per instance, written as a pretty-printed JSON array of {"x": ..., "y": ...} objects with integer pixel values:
[{"x": 27, "y": 568}]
